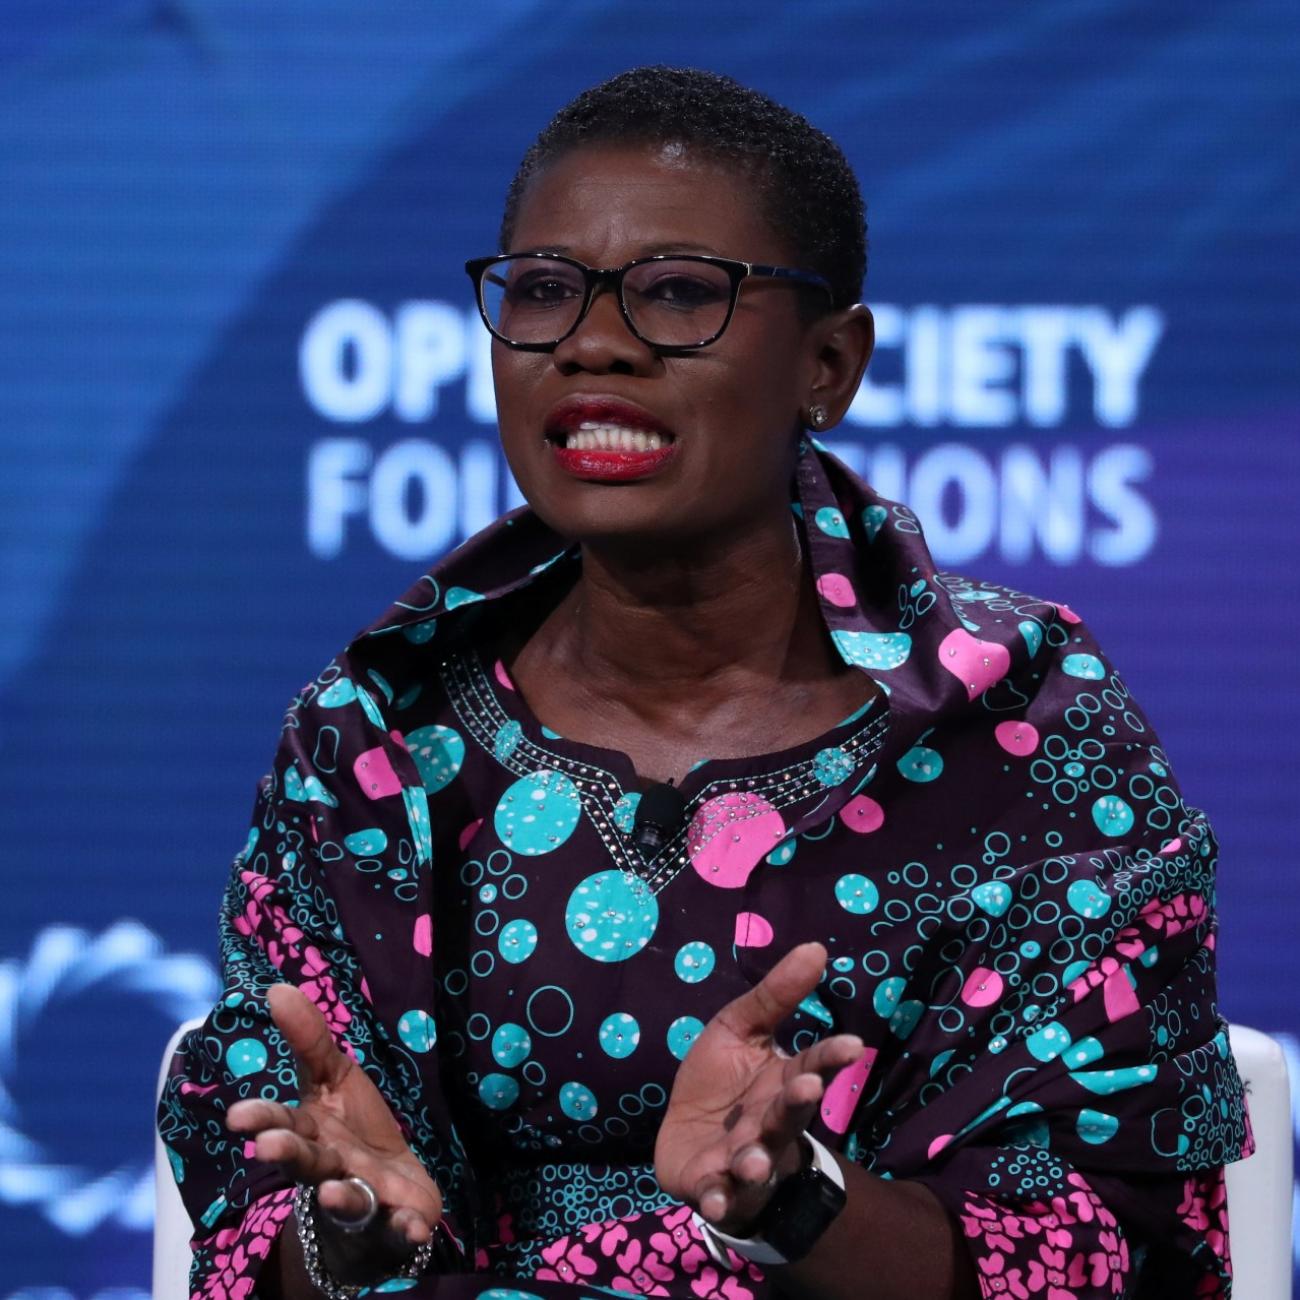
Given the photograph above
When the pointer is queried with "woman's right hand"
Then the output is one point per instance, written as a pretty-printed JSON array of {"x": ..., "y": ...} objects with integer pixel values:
[{"x": 341, "y": 1128}]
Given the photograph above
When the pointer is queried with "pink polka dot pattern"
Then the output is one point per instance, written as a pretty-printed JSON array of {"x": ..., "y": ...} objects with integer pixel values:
[
  {"x": 841, "y": 1097},
  {"x": 983, "y": 987},
  {"x": 862, "y": 814},
  {"x": 837, "y": 589},
  {"x": 1018, "y": 738},
  {"x": 422, "y": 939},
  {"x": 753, "y": 931},
  {"x": 729, "y": 835},
  {"x": 373, "y": 770}
]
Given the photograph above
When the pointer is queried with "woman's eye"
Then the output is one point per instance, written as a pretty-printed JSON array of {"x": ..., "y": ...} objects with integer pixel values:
[
  {"x": 541, "y": 290},
  {"x": 683, "y": 291}
]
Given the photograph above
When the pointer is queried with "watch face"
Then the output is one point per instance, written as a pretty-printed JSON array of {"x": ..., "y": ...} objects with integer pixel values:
[{"x": 801, "y": 1209}]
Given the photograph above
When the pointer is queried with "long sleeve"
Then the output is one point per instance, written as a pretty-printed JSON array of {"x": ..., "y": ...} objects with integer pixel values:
[{"x": 332, "y": 801}]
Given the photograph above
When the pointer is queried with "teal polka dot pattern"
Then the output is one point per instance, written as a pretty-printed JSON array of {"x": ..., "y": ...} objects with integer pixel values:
[
  {"x": 417, "y": 1030},
  {"x": 625, "y": 812},
  {"x": 246, "y": 1056},
  {"x": 511, "y": 1045},
  {"x": 1095, "y": 1126},
  {"x": 498, "y": 1091},
  {"x": 438, "y": 752},
  {"x": 507, "y": 740},
  {"x": 694, "y": 962},
  {"x": 1033, "y": 636},
  {"x": 1112, "y": 815},
  {"x": 577, "y": 1101},
  {"x": 831, "y": 522},
  {"x": 1087, "y": 899},
  {"x": 856, "y": 894},
  {"x": 920, "y": 764},
  {"x": 619, "y": 1035},
  {"x": 1087, "y": 667},
  {"x": 682, "y": 1034},
  {"x": 458, "y": 596},
  {"x": 538, "y": 813},
  {"x": 367, "y": 843},
  {"x": 873, "y": 520},
  {"x": 517, "y": 941},
  {"x": 882, "y": 651},
  {"x": 832, "y": 766},
  {"x": 611, "y": 916},
  {"x": 337, "y": 694}
]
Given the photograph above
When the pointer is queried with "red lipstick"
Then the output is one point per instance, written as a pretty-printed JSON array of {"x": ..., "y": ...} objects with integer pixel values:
[{"x": 607, "y": 440}]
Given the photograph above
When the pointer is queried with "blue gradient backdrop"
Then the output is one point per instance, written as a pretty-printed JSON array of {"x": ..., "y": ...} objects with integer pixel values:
[{"x": 243, "y": 401}]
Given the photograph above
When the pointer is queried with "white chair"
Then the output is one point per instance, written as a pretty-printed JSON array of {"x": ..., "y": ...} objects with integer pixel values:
[
  {"x": 171, "y": 1224},
  {"x": 1260, "y": 1188}
]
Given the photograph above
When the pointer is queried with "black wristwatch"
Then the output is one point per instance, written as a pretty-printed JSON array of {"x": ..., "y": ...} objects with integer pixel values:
[{"x": 802, "y": 1207}]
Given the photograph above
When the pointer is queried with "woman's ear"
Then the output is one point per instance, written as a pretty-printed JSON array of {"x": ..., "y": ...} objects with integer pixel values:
[{"x": 842, "y": 344}]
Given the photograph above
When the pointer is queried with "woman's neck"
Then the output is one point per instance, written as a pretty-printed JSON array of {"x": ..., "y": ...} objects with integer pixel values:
[{"x": 675, "y": 627}]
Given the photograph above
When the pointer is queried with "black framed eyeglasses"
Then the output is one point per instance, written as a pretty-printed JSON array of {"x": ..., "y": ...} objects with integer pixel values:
[{"x": 673, "y": 302}]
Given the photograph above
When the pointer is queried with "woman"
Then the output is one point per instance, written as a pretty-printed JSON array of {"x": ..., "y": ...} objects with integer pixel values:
[{"x": 906, "y": 963}]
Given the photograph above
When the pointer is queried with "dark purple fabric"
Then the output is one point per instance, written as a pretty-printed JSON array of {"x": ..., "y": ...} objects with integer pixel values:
[{"x": 1018, "y": 906}]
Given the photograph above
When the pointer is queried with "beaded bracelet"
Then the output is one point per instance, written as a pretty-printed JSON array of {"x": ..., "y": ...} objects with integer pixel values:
[{"x": 304, "y": 1209}]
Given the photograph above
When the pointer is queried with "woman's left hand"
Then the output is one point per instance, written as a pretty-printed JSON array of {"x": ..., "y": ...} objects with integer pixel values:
[{"x": 739, "y": 1105}]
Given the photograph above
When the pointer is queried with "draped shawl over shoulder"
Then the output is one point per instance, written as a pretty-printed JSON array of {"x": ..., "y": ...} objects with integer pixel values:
[{"x": 1018, "y": 904}]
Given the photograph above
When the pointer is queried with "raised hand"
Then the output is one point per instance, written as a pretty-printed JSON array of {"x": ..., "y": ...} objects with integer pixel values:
[
  {"x": 739, "y": 1104},
  {"x": 342, "y": 1127}
]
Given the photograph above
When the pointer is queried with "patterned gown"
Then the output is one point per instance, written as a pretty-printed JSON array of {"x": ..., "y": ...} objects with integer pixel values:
[{"x": 1018, "y": 906}]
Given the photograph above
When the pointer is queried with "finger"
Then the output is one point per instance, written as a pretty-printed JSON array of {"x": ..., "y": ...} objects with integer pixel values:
[
  {"x": 714, "y": 1200},
  {"x": 254, "y": 1115},
  {"x": 343, "y": 1198},
  {"x": 409, "y": 1210},
  {"x": 299, "y": 1019},
  {"x": 408, "y": 1228},
  {"x": 758, "y": 1012},
  {"x": 786, "y": 1118},
  {"x": 303, "y": 1160},
  {"x": 775, "y": 1149},
  {"x": 826, "y": 1058}
]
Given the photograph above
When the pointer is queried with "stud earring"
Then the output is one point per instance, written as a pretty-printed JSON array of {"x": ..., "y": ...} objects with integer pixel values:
[{"x": 817, "y": 416}]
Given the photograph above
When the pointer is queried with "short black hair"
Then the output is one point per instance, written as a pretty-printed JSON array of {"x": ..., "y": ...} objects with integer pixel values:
[{"x": 809, "y": 191}]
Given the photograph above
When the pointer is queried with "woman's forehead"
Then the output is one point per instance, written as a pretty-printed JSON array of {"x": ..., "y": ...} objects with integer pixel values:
[{"x": 637, "y": 200}]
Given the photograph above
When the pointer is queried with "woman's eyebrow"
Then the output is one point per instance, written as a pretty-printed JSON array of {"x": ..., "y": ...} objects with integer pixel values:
[
  {"x": 680, "y": 246},
  {"x": 647, "y": 250}
]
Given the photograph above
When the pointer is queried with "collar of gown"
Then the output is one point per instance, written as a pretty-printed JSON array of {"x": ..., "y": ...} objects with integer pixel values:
[{"x": 933, "y": 642}]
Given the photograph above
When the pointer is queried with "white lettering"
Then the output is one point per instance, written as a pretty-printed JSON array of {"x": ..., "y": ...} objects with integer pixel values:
[
  {"x": 413, "y": 499},
  {"x": 1110, "y": 487},
  {"x": 924, "y": 365},
  {"x": 972, "y": 528},
  {"x": 1045, "y": 334},
  {"x": 982, "y": 365},
  {"x": 333, "y": 492},
  {"x": 430, "y": 352},
  {"x": 1117, "y": 353},
  {"x": 1043, "y": 504},
  {"x": 345, "y": 361},
  {"x": 1020, "y": 505}
]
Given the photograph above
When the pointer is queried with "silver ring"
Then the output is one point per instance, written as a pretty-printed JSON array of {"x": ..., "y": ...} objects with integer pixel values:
[{"x": 366, "y": 1218}]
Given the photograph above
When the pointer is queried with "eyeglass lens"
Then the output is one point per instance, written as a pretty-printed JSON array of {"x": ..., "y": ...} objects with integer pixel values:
[{"x": 671, "y": 303}]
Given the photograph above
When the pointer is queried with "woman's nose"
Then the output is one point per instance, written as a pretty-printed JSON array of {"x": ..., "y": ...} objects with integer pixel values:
[{"x": 603, "y": 341}]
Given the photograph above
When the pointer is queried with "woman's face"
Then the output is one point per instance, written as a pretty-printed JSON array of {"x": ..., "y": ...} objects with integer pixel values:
[{"x": 730, "y": 411}]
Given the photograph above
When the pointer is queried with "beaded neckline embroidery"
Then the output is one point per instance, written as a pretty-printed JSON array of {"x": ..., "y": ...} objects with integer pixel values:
[{"x": 479, "y": 710}]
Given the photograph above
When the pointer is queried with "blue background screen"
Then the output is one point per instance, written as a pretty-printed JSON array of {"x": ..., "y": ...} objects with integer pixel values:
[{"x": 245, "y": 398}]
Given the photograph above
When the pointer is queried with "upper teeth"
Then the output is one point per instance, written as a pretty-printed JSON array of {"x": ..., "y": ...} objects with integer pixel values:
[{"x": 592, "y": 436}]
